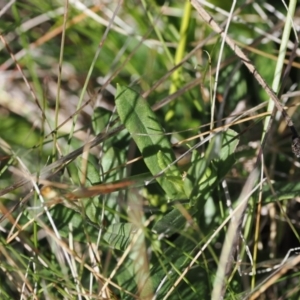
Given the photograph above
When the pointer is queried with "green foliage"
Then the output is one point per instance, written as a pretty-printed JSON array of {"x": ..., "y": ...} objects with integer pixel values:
[
  {"x": 146, "y": 131},
  {"x": 124, "y": 212}
]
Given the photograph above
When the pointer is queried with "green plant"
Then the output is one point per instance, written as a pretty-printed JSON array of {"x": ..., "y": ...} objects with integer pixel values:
[{"x": 123, "y": 142}]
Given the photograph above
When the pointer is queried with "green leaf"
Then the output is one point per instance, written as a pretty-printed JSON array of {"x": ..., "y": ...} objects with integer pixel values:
[
  {"x": 283, "y": 190},
  {"x": 81, "y": 225},
  {"x": 142, "y": 124},
  {"x": 91, "y": 206},
  {"x": 202, "y": 177},
  {"x": 175, "y": 258},
  {"x": 119, "y": 235},
  {"x": 172, "y": 174},
  {"x": 126, "y": 278},
  {"x": 100, "y": 119},
  {"x": 170, "y": 223},
  {"x": 206, "y": 172}
]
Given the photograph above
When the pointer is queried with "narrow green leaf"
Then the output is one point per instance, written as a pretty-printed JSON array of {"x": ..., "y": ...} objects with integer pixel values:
[{"x": 142, "y": 124}]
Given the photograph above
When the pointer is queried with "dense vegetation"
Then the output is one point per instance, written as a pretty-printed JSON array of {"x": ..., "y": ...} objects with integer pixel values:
[{"x": 133, "y": 142}]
